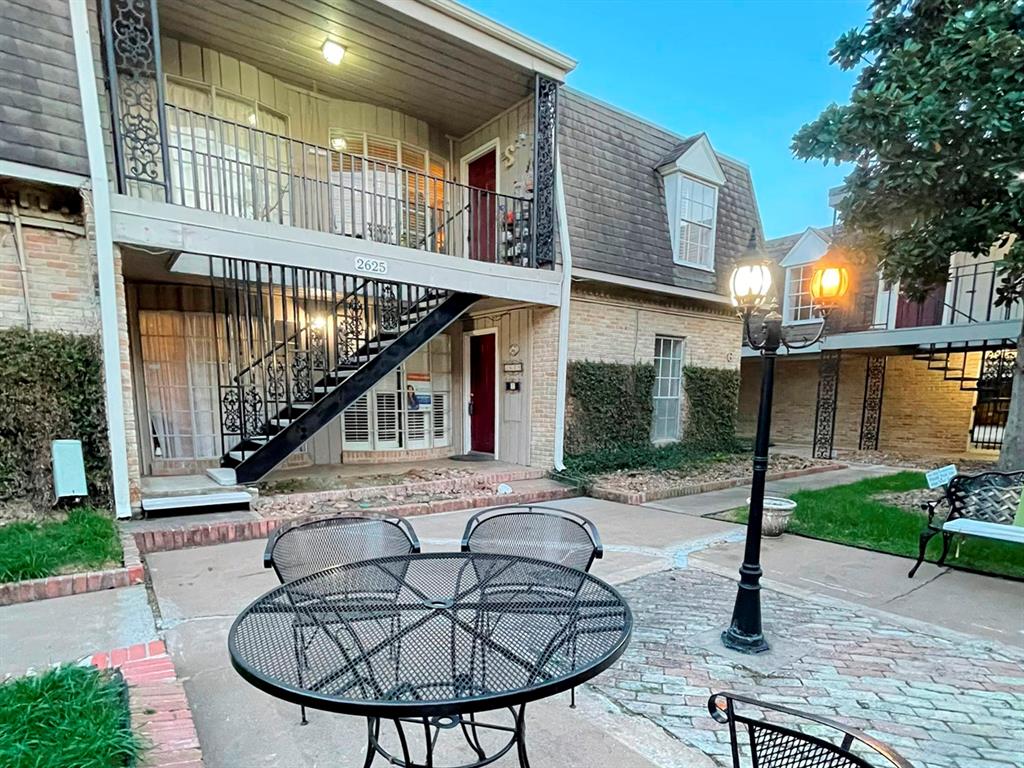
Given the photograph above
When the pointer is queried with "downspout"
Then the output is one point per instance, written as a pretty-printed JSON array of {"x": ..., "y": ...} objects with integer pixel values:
[
  {"x": 106, "y": 278},
  {"x": 19, "y": 246},
  {"x": 563, "y": 316}
]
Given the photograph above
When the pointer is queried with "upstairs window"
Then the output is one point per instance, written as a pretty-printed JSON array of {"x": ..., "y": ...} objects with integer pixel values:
[
  {"x": 697, "y": 206},
  {"x": 798, "y": 306}
]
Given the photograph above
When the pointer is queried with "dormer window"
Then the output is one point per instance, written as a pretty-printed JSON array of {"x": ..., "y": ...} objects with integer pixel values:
[
  {"x": 697, "y": 208},
  {"x": 693, "y": 177}
]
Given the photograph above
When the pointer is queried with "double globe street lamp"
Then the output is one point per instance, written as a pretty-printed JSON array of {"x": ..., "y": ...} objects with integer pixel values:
[{"x": 751, "y": 288}]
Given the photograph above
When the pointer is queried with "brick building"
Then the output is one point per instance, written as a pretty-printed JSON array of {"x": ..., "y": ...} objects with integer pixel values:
[
  {"x": 928, "y": 378},
  {"x": 295, "y": 260}
]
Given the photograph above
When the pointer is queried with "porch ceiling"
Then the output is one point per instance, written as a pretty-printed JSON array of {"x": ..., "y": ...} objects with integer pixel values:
[{"x": 431, "y": 66}]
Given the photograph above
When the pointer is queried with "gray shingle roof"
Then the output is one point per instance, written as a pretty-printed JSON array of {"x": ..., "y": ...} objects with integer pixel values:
[
  {"x": 40, "y": 111},
  {"x": 778, "y": 247},
  {"x": 615, "y": 198}
]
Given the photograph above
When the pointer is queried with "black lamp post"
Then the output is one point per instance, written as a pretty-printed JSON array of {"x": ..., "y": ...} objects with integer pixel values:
[{"x": 751, "y": 289}]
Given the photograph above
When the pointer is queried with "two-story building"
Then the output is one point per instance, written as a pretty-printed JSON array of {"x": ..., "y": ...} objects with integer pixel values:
[
  {"x": 345, "y": 231},
  {"x": 917, "y": 378}
]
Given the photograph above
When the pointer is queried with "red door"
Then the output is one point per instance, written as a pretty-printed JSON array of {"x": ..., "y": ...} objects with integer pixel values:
[
  {"x": 481, "y": 393},
  {"x": 915, "y": 314},
  {"x": 482, "y": 214}
]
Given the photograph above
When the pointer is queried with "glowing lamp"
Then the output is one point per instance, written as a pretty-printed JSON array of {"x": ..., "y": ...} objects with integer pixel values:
[
  {"x": 829, "y": 284},
  {"x": 333, "y": 52},
  {"x": 750, "y": 284}
]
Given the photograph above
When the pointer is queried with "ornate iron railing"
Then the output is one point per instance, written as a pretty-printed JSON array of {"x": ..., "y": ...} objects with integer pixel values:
[
  {"x": 289, "y": 335},
  {"x": 227, "y": 167}
]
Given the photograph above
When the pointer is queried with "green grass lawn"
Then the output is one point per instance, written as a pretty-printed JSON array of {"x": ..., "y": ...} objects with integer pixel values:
[
  {"x": 70, "y": 716},
  {"x": 87, "y": 539},
  {"x": 847, "y": 514}
]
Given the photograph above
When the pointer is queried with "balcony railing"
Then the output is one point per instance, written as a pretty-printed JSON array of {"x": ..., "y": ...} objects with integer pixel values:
[
  {"x": 968, "y": 296},
  {"x": 235, "y": 169}
]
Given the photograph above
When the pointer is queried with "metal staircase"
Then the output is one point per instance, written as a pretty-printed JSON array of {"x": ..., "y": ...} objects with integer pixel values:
[
  {"x": 951, "y": 359},
  {"x": 299, "y": 346}
]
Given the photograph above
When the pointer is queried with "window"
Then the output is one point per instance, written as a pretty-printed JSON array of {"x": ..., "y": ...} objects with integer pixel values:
[
  {"x": 409, "y": 408},
  {"x": 668, "y": 369},
  {"x": 696, "y": 223},
  {"x": 799, "y": 308}
]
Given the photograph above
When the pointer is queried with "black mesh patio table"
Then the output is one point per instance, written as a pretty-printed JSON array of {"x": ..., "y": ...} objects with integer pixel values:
[{"x": 432, "y": 640}]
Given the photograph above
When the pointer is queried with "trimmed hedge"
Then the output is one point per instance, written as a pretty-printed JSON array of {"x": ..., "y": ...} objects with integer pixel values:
[
  {"x": 712, "y": 400},
  {"x": 51, "y": 387},
  {"x": 610, "y": 406}
]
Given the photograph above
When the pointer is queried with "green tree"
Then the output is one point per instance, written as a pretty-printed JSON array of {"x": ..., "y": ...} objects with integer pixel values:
[{"x": 935, "y": 132}]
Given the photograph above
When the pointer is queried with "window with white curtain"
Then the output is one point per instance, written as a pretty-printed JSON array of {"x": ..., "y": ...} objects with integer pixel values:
[
  {"x": 227, "y": 153},
  {"x": 668, "y": 371},
  {"x": 697, "y": 211},
  {"x": 180, "y": 359},
  {"x": 408, "y": 408}
]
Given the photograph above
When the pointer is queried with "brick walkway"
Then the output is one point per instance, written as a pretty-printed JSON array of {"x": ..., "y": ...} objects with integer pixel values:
[{"x": 943, "y": 700}]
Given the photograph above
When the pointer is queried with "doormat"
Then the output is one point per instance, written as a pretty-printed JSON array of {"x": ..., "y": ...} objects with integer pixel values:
[{"x": 473, "y": 456}]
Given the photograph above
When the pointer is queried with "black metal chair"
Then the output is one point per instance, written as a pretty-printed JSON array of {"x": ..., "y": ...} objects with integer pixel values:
[
  {"x": 306, "y": 547},
  {"x": 532, "y": 530},
  {"x": 771, "y": 745}
]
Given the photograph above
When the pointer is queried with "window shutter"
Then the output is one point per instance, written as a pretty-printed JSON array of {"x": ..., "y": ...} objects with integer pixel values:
[
  {"x": 439, "y": 419},
  {"x": 386, "y": 418},
  {"x": 356, "y": 425}
]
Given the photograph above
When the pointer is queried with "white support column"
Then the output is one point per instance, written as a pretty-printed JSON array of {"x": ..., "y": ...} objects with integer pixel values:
[
  {"x": 563, "y": 316},
  {"x": 104, "y": 256}
]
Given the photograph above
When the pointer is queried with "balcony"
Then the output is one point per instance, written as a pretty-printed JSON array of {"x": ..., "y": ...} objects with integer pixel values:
[
  {"x": 230, "y": 168},
  {"x": 426, "y": 153},
  {"x": 968, "y": 297}
]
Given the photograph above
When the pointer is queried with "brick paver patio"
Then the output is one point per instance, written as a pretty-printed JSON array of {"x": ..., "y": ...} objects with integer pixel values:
[{"x": 942, "y": 699}]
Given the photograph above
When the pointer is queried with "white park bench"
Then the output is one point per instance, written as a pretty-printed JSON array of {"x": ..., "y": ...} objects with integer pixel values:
[{"x": 981, "y": 505}]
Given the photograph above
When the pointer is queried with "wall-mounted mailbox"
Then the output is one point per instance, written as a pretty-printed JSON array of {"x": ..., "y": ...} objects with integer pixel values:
[{"x": 68, "y": 469}]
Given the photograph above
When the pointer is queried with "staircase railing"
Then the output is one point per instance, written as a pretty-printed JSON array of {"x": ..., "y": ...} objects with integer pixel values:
[
  {"x": 232, "y": 168},
  {"x": 289, "y": 334}
]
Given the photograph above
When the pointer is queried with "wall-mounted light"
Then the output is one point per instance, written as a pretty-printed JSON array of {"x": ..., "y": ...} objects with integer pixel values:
[
  {"x": 333, "y": 52},
  {"x": 338, "y": 143}
]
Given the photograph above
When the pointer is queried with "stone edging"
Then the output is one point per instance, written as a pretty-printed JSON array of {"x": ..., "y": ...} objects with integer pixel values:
[
  {"x": 204, "y": 534},
  {"x": 132, "y": 572},
  {"x": 643, "y": 497},
  {"x": 159, "y": 708}
]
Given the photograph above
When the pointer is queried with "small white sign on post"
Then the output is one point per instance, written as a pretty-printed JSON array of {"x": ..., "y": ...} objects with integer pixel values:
[{"x": 939, "y": 477}]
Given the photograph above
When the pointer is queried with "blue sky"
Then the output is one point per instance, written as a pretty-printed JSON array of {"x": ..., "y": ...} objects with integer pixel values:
[{"x": 748, "y": 73}]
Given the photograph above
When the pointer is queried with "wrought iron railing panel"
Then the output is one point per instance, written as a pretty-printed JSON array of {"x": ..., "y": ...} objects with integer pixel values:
[
  {"x": 131, "y": 38},
  {"x": 544, "y": 159},
  {"x": 227, "y": 167}
]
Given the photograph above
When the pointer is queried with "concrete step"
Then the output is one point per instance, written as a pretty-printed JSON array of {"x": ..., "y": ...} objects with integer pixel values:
[{"x": 218, "y": 498}]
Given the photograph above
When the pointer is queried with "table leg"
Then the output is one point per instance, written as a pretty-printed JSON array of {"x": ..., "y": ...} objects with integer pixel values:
[
  {"x": 524, "y": 761},
  {"x": 372, "y": 732}
]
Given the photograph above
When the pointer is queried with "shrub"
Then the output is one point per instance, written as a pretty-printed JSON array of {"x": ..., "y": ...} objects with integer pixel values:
[
  {"x": 712, "y": 399},
  {"x": 51, "y": 387},
  {"x": 610, "y": 406}
]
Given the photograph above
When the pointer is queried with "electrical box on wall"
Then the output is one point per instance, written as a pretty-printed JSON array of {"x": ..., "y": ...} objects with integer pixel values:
[
  {"x": 511, "y": 386},
  {"x": 68, "y": 469}
]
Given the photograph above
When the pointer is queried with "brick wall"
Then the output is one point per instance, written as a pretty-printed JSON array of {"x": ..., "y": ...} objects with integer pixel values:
[
  {"x": 543, "y": 382},
  {"x": 921, "y": 412},
  {"x": 60, "y": 272},
  {"x": 620, "y": 327},
  {"x": 60, "y": 258}
]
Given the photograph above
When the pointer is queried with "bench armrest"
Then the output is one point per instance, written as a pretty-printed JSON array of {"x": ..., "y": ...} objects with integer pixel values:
[{"x": 931, "y": 507}]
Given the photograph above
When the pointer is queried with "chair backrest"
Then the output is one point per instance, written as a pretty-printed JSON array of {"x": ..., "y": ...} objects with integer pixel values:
[
  {"x": 303, "y": 548},
  {"x": 991, "y": 497},
  {"x": 771, "y": 745},
  {"x": 544, "y": 533}
]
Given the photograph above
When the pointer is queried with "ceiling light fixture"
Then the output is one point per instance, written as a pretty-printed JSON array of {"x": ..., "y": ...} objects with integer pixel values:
[{"x": 333, "y": 52}]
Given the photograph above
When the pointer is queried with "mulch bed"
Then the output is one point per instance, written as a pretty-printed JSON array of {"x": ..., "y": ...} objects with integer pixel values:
[{"x": 736, "y": 467}]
